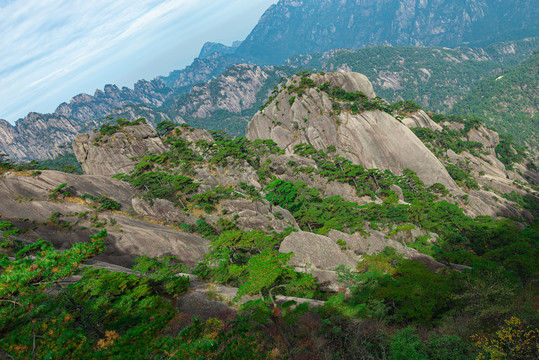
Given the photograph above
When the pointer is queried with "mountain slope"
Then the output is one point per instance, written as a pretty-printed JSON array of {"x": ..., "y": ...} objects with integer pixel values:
[
  {"x": 294, "y": 27},
  {"x": 509, "y": 101},
  {"x": 229, "y": 101},
  {"x": 436, "y": 78}
]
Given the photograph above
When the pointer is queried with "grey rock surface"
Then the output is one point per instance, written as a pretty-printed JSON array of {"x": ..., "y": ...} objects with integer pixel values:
[
  {"x": 320, "y": 255},
  {"x": 421, "y": 119},
  {"x": 113, "y": 153},
  {"x": 373, "y": 139},
  {"x": 25, "y": 199}
]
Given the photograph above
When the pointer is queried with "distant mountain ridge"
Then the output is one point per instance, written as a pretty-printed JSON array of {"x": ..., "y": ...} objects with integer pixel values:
[
  {"x": 288, "y": 28},
  {"x": 293, "y": 27}
]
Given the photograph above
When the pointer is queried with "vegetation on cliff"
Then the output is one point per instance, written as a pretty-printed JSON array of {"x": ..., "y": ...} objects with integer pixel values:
[{"x": 395, "y": 309}]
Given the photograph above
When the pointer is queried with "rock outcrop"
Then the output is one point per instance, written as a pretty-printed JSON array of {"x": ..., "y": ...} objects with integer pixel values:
[
  {"x": 373, "y": 139},
  {"x": 108, "y": 155},
  {"x": 421, "y": 119},
  {"x": 485, "y": 168},
  {"x": 320, "y": 255},
  {"x": 26, "y": 202}
]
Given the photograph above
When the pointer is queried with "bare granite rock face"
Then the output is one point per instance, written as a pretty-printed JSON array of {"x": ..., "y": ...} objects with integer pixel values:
[
  {"x": 193, "y": 135},
  {"x": 162, "y": 210},
  {"x": 421, "y": 119},
  {"x": 108, "y": 155},
  {"x": 250, "y": 215},
  {"x": 320, "y": 255},
  {"x": 373, "y": 139},
  {"x": 25, "y": 200}
]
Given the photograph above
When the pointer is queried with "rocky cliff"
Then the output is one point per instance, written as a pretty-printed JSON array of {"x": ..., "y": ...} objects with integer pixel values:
[
  {"x": 373, "y": 139},
  {"x": 108, "y": 155},
  {"x": 229, "y": 101},
  {"x": 38, "y": 136}
]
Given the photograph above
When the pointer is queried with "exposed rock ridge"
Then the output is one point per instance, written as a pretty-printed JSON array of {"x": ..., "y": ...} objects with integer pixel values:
[
  {"x": 373, "y": 139},
  {"x": 84, "y": 107}
]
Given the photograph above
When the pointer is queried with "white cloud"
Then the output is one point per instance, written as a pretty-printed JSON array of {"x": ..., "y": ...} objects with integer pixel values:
[{"x": 50, "y": 50}]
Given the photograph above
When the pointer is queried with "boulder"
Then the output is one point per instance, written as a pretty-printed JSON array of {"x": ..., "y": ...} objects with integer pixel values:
[{"x": 320, "y": 255}]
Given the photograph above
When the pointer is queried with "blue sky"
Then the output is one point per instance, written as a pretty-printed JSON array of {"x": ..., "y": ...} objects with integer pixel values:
[{"x": 52, "y": 50}]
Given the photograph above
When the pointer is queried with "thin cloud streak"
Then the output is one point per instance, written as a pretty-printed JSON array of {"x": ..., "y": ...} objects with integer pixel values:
[{"x": 53, "y": 50}]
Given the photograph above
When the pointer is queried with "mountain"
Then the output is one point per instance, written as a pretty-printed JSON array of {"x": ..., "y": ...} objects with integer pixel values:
[
  {"x": 210, "y": 48},
  {"x": 436, "y": 78},
  {"x": 46, "y": 136},
  {"x": 508, "y": 101},
  {"x": 294, "y": 27},
  {"x": 289, "y": 28},
  {"x": 227, "y": 98},
  {"x": 310, "y": 242},
  {"x": 229, "y": 101}
]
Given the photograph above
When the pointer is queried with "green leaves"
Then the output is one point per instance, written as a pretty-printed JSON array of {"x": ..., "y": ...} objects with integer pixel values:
[
  {"x": 263, "y": 270},
  {"x": 162, "y": 273},
  {"x": 268, "y": 270}
]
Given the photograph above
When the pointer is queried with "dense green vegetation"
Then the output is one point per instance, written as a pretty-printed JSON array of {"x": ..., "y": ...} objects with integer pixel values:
[
  {"x": 508, "y": 101},
  {"x": 396, "y": 308}
]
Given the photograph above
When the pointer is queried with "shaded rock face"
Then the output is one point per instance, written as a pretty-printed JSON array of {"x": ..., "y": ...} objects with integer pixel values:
[
  {"x": 108, "y": 155},
  {"x": 320, "y": 255},
  {"x": 373, "y": 139},
  {"x": 27, "y": 197},
  {"x": 201, "y": 70},
  {"x": 211, "y": 48}
]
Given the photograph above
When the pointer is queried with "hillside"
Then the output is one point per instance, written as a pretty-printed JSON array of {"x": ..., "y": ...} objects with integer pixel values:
[
  {"x": 509, "y": 101},
  {"x": 435, "y": 78},
  {"x": 234, "y": 248}
]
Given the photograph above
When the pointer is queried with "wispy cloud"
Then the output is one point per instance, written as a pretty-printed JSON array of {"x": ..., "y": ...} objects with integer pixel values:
[{"x": 50, "y": 50}]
